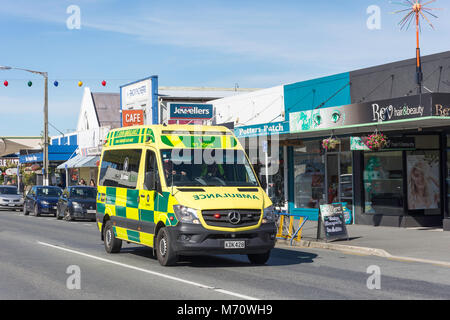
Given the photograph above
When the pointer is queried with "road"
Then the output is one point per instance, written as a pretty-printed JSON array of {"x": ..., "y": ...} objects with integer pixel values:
[{"x": 40, "y": 256}]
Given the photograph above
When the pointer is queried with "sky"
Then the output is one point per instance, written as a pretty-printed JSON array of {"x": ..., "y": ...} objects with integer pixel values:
[{"x": 207, "y": 43}]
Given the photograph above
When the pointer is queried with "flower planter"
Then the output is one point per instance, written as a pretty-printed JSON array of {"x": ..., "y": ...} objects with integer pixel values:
[
  {"x": 376, "y": 141},
  {"x": 330, "y": 144}
]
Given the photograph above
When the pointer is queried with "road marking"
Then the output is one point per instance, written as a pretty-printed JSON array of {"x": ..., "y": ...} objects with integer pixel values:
[{"x": 245, "y": 297}]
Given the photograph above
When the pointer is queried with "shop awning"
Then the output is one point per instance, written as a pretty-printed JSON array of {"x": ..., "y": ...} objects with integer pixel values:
[
  {"x": 55, "y": 153},
  {"x": 80, "y": 161},
  {"x": 401, "y": 125},
  {"x": 9, "y": 145},
  {"x": 404, "y": 113}
]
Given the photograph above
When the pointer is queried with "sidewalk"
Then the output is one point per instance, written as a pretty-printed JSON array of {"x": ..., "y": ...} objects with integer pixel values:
[{"x": 416, "y": 244}]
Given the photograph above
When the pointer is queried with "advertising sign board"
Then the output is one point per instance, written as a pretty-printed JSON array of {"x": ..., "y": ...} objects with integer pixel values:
[
  {"x": 140, "y": 95},
  {"x": 333, "y": 221}
]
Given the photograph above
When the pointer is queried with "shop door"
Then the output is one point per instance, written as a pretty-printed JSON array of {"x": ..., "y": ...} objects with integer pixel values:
[
  {"x": 339, "y": 179},
  {"x": 332, "y": 178}
]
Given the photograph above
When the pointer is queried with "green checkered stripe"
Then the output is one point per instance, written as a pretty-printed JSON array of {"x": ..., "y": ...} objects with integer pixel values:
[
  {"x": 123, "y": 206},
  {"x": 130, "y": 136}
]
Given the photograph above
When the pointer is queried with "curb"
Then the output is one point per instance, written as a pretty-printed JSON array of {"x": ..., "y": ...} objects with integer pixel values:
[
  {"x": 358, "y": 250},
  {"x": 337, "y": 247}
]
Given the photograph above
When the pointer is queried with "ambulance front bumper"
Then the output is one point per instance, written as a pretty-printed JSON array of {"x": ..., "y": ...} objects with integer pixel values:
[{"x": 194, "y": 239}]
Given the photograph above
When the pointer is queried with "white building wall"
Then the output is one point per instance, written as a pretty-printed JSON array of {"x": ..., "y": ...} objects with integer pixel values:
[
  {"x": 92, "y": 138},
  {"x": 261, "y": 106},
  {"x": 87, "y": 118}
]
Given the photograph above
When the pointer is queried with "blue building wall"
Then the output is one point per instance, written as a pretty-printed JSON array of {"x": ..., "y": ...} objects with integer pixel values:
[
  {"x": 323, "y": 92},
  {"x": 71, "y": 140},
  {"x": 306, "y": 95}
]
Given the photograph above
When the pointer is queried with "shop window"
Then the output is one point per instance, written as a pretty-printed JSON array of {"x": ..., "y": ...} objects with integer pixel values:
[
  {"x": 309, "y": 176},
  {"x": 448, "y": 179},
  {"x": 426, "y": 142},
  {"x": 383, "y": 183}
]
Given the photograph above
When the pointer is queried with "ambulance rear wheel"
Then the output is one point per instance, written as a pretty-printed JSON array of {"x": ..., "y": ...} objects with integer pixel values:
[
  {"x": 112, "y": 244},
  {"x": 164, "y": 252}
]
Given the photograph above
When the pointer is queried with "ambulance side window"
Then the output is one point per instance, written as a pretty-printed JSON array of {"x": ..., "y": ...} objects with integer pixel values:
[
  {"x": 151, "y": 181},
  {"x": 119, "y": 168}
]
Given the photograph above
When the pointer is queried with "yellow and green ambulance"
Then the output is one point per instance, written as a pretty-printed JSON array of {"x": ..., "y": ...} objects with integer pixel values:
[{"x": 182, "y": 190}]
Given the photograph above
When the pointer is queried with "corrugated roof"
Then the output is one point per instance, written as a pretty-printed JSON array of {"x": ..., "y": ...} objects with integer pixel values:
[{"x": 107, "y": 106}]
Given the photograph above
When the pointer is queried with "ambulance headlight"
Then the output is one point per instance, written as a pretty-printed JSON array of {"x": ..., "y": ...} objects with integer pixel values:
[
  {"x": 185, "y": 214},
  {"x": 269, "y": 215}
]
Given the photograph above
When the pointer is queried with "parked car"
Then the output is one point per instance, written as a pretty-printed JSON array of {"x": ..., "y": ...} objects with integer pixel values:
[
  {"x": 77, "y": 202},
  {"x": 42, "y": 199},
  {"x": 10, "y": 198}
]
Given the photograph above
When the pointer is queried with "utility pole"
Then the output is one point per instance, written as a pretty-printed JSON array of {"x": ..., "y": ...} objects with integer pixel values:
[{"x": 46, "y": 182}]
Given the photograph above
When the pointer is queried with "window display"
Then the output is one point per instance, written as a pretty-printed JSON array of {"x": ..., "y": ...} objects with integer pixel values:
[{"x": 423, "y": 181}]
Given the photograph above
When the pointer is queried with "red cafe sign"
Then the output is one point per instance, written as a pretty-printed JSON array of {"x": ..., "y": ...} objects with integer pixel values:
[{"x": 132, "y": 118}]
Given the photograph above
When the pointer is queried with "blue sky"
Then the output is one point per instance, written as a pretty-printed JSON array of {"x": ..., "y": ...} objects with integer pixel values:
[{"x": 256, "y": 44}]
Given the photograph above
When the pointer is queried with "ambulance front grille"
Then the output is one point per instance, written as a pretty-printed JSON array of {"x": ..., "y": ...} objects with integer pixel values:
[{"x": 221, "y": 218}]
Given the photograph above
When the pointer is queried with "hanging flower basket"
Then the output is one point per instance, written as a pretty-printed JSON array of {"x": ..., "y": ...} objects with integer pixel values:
[
  {"x": 376, "y": 141},
  {"x": 330, "y": 143}
]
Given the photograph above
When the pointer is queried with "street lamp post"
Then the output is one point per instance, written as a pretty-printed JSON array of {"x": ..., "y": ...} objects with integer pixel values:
[{"x": 45, "y": 75}]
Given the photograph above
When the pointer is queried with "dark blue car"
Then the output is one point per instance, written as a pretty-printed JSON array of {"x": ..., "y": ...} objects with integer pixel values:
[
  {"x": 42, "y": 200},
  {"x": 77, "y": 202}
]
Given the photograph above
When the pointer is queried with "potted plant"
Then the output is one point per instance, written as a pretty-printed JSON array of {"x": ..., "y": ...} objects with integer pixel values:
[
  {"x": 376, "y": 141},
  {"x": 330, "y": 143}
]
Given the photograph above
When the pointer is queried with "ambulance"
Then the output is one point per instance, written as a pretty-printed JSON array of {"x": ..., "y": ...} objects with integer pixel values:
[{"x": 182, "y": 190}]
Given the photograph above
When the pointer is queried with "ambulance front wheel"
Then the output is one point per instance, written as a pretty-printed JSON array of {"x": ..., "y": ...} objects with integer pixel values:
[
  {"x": 260, "y": 258},
  {"x": 164, "y": 251},
  {"x": 112, "y": 244}
]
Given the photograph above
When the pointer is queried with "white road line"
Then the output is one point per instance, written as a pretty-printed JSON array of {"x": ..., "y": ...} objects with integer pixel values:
[{"x": 245, "y": 297}]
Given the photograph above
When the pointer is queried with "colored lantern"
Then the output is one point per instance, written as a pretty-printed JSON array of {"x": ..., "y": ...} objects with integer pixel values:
[
  {"x": 56, "y": 83},
  {"x": 80, "y": 83},
  {"x": 103, "y": 83},
  {"x": 30, "y": 83},
  {"x": 5, "y": 83}
]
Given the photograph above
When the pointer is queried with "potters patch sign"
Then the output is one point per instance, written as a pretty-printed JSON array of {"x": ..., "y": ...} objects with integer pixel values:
[{"x": 265, "y": 129}]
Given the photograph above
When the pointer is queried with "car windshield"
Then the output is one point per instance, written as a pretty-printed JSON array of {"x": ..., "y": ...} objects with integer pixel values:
[
  {"x": 49, "y": 192},
  {"x": 213, "y": 167},
  {"x": 8, "y": 190},
  {"x": 83, "y": 193}
]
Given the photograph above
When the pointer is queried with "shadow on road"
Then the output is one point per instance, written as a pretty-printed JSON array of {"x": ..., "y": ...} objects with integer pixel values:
[{"x": 279, "y": 257}]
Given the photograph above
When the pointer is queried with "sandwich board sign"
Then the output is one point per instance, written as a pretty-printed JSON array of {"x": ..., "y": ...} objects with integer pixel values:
[{"x": 331, "y": 217}]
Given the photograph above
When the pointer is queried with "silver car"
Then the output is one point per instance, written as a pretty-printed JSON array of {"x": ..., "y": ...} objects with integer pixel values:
[{"x": 10, "y": 198}]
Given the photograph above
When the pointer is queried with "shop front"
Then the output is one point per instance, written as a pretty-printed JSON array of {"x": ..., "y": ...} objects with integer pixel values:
[
  {"x": 57, "y": 154},
  {"x": 267, "y": 154},
  {"x": 402, "y": 183}
]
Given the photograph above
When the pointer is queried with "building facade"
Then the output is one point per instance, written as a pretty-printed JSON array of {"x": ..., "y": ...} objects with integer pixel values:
[{"x": 403, "y": 184}]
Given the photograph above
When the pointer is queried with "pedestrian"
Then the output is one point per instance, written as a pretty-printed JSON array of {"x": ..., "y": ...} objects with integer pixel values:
[
  {"x": 92, "y": 183},
  {"x": 82, "y": 182}
]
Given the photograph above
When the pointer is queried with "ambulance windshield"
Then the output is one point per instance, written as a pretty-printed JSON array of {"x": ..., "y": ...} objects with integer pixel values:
[{"x": 207, "y": 167}]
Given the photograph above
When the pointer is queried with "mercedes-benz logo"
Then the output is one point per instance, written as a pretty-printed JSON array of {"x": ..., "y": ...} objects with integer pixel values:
[{"x": 234, "y": 217}]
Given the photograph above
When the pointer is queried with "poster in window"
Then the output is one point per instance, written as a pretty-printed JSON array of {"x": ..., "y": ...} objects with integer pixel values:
[{"x": 423, "y": 182}]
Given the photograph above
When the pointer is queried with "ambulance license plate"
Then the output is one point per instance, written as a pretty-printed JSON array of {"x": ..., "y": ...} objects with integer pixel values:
[{"x": 234, "y": 244}]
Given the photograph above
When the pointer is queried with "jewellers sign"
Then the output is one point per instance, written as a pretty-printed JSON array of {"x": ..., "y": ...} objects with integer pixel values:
[
  {"x": 404, "y": 108},
  {"x": 191, "y": 111}
]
